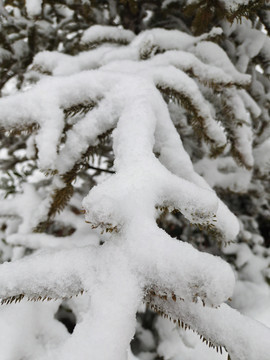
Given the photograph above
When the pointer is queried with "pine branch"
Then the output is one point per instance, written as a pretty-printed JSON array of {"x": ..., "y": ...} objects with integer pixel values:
[
  {"x": 154, "y": 295},
  {"x": 38, "y": 68},
  {"x": 245, "y": 10},
  {"x": 26, "y": 129},
  {"x": 82, "y": 108},
  {"x": 98, "y": 35},
  {"x": 101, "y": 170},
  {"x": 62, "y": 196},
  {"x": 95, "y": 44},
  {"x": 198, "y": 122},
  {"x": 232, "y": 123}
]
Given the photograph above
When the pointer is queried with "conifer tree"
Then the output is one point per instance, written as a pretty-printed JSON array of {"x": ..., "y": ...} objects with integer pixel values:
[{"x": 135, "y": 179}]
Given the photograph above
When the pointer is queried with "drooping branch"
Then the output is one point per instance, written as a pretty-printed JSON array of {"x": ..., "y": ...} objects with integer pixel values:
[{"x": 223, "y": 326}]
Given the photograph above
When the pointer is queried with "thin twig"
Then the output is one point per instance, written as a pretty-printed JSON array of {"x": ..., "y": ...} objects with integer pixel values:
[{"x": 99, "y": 169}]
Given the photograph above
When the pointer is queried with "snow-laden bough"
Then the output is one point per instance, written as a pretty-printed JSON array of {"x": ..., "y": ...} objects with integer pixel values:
[{"x": 121, "y": 90}]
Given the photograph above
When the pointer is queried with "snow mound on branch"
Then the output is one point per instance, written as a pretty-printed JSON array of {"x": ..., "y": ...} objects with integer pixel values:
[
  {"x": 211, "y": 53},
  {"x": 97, "y": 33},
  {"x": 33, "y": 7}
]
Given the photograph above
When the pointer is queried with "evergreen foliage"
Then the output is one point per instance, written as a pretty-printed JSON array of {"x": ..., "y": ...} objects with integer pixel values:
[{"x": 130, "y": 130}]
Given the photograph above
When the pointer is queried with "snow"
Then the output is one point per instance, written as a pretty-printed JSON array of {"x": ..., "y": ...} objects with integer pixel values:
[
  {"x": 251, "y": 294},
  {"x": 233, "y": 5},
  {"x": 223, "y": 326},
  {"x": 26, "y": 338},
  {"x": 138, "y": 260},
  {"x": 187, "y": 61},
  {"x": 177, "y": 343},
  {"x": 60, "y": 64},
  {"x": 4, "y": 55},
  {"x": 25, "y": 206},
  {"x": 240, "y": 127},
  {"x": 33, "y": 7},
  {"x": 97, "y": 33},
  {"x": 224, "y": 173},
  {"x": 172, "y": 39},
  {"x": 251, "y": 42},
  {"x": 212, "y": 54},
  {"x": 250, "y": 104},
  {"x": 261, "y": 155},
  {"x": 230, "y": 5}
]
